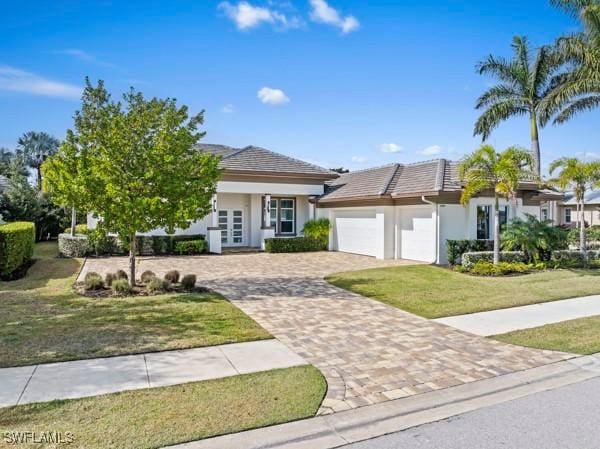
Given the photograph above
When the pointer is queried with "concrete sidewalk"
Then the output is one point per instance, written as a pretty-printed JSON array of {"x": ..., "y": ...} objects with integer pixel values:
[
  {"x": 68, "y": 380},
  {"x": 524, "y": 317}
]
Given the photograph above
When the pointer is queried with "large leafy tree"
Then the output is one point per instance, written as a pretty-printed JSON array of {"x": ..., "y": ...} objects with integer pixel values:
[
  {"x": 580, "y": 177},
  {"x": 524, "y": 81},
  {"x": 35, "y": 148},
  {"x": 132, "y": 163},
  {"x": 501, "y": 173},
  {"x": 578, "y": 89}
]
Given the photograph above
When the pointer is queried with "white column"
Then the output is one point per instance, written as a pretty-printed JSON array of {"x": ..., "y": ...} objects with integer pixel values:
[
  {"x": 267, "y": 232},
  {"x": 214, "y": 232}
]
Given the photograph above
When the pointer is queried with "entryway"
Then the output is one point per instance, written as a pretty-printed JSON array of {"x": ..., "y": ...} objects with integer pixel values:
[{"x": 231, "y": 222}]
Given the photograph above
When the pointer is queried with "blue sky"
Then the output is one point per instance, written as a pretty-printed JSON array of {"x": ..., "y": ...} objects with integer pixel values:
[{"x": 334, "y": 82}]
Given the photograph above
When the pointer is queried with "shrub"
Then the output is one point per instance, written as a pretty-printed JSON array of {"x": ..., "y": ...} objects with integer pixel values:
[
  {"x": 162, "y": 244},
  {"x": 537, "y": 239},
  {"x": 147, "y": 276},
  {"x": 172, "y": 276},
  {"x": 109, "y": 278},
  {"x": 157, "y": 285},
  {"x": 73, "y": 246},
  {"x": 456, "y": 248},
  {"x": 483, "y": 268},
  {"x": 17, "y": 240},
  {"x": 568, "y": 259},
  {"x": 189, "y": 247},
  {"x": 470, "y": 259},
  {"x": 188, "y": 282},
  {"x": 319, "y": 230},
  {"x": 592, "y": 234},
  {"x": 120, "y": 274},
  {"x": 292, "y": 245},
  {"x": 93, "y": 281},
  {"x": 80, "y": 228},
  {"x": 121, "y": 287}
]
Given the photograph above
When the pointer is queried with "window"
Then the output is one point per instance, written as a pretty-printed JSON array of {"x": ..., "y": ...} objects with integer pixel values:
[
  {"x": 544, "y": 214},
  {"x": 483, "y": 222},
  {"x": 283, "y": 215},
  {"x": 568, "y": 215}
]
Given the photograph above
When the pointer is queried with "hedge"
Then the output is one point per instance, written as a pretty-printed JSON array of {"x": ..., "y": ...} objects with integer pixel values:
[
  {"x": 456, "y": 248},
  {"x": 73, "y": 245},
  {"x": 574, "y": 258},
  {"x": 189, "y": 247},
  {"x": 470, "y": 259},
  {"x": 17, "y": 241},
  {"x": 294, "y": 245}
]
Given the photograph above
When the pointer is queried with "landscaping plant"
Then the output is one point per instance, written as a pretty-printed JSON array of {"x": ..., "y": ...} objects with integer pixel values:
[
  {"x": 121, "y": 287},
  {"x": 537, "y": 239},
  {"x": 132, "y": 163},
  {"x": 318, "y": 229},
  {"x": 93, "y": 281},
  {"x": 172, "y": 276},
  {"x": 147, "y": 276},
  {"x": 188, "y": 282}
]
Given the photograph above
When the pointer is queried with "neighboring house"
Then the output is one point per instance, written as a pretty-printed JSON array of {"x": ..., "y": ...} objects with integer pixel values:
[
  {"x": 566, "y": 212},
  {"x": 395, "y": 211}
]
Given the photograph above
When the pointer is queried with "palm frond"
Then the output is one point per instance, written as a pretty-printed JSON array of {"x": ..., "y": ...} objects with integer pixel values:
[
  {"x": 500, "y": 92},
  {"x": 577, "y": 106},
  {"x": 496, "y": 114}
]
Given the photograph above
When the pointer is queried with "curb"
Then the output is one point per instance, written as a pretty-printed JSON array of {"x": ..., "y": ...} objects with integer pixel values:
[{"x": 330, "y": 431}]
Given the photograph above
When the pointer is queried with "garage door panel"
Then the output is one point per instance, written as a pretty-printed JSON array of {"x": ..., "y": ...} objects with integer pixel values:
[
  {"x": 417, "y": 234},
  {"x": 356, "y": 232}
]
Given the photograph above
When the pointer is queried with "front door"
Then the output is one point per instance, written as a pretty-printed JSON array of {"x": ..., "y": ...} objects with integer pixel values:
[{"x": 231, "y": 222}]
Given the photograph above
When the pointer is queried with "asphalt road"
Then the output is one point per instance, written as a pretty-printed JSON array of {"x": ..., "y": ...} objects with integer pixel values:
[{"x": 565, "y": 418}]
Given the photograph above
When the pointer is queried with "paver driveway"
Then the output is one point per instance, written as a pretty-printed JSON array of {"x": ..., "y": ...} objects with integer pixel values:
[{"x": 368, "y": 351}]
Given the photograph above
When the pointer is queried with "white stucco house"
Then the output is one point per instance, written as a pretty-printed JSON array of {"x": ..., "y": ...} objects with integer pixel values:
[{"x": 396, "y": 211}]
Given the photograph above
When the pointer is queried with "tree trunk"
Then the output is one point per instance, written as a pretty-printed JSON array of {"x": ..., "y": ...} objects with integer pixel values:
[
  {"x": 496, "y": 230},
  {"x": 73, "y": 220},
  {"x": 132, "y": 248},
  {"x": 39, "y": 177},
  {"x": 535, "y": 146},
  {"x": 582, "y": 242}
]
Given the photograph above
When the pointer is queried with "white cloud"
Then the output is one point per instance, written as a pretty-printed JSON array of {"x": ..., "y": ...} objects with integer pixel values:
[
  {"x": 323, "y": 13},
  {"x": 272, "y": 96},
  {"x": 247, "y": 16},
  {"x": 359, "y": 159},
  {"x": 228, "y": 109},
  {"x": 431, "y": 150},
  {"x": 390, "y": 147},
  {"x": 15, "y": 80},
  {"x": 84, "y": 56}
]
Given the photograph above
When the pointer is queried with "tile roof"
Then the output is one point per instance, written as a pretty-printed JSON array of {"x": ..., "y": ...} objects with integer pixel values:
[
  {"x": 592, "y": 197},
  {"x": 395, "y": 180},
  {"x": 257, "y": 159}
]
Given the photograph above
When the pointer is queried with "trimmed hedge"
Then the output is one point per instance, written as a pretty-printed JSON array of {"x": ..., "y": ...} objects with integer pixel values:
[
  {"x": 73, "y": 245},
  {"x": 190, "y": 247},
  {"x": 482, "y": 268},
  {"x": 17, "y": 240},
  {"x": 574, "y": 258},
  {"x": 470, "y": 259},
  {"x": 456, "y": 248},
  {"x": 294, "y": 245}
]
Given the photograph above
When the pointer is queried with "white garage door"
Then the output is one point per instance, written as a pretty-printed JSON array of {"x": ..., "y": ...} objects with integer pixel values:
[
  {"x": 417, "y": 234},
  {"x": 355, "y": 232}
]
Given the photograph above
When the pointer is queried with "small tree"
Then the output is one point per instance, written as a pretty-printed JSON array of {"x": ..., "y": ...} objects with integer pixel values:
[
  {"x": 135, "y": 165},
  {"x": 501, "y": 173},
  {"x": 580, "y": 177}
]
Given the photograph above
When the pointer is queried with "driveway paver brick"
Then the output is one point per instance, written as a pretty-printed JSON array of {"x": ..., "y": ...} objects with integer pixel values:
[{"x": 368, "y": 351}]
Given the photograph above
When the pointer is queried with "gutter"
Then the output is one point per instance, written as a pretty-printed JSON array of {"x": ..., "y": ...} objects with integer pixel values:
[{"x": 437, "y": 227}]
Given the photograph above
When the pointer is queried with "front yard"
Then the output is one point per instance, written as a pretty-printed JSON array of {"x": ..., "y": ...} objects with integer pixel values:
[
  {"x": 435, "y": 292},
  {"x": 44, "y": 320},
  {"x": 157, "y": 417},
  {"x": 580, "y": 336}
]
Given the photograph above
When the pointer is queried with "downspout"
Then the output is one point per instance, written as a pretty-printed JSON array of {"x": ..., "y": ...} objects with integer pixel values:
[{"x": 437, "y": 226}]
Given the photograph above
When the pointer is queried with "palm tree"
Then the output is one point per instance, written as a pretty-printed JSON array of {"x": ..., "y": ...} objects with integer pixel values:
[
  {"x": 524, "y": 83},
  {"x": 580, "y": 177},
  {"x": 36, "y": 147},
  {"x": 485, "y": 169},
  {"x": 578, "y": 89}
]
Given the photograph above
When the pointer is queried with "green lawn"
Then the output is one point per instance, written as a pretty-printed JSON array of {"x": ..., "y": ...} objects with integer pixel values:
[
  {"x": 44, "y": 320},
  {"x": 434, "y": 292},
  {"x": 580, "y": 336},
  {"x": 163, "y": 416}
]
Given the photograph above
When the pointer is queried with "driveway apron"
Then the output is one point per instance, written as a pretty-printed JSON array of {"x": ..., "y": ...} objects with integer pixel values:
[{"x": 369, "y": 352}]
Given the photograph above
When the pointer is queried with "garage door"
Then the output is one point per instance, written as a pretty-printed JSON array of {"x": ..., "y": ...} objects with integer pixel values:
[
  {"x": 355, "y": 232},
  {"x": 417, "y": 234}
]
